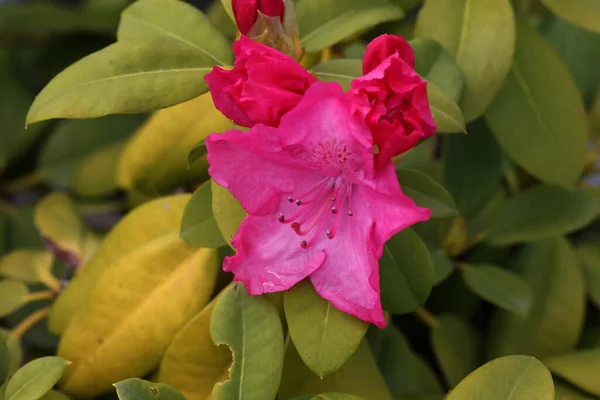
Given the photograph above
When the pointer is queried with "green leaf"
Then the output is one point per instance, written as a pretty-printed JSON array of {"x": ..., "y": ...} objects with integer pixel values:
[
  {"x": 507, "y": 378},
  {"x": 473, "y": 167},
  {"x": 14, "y": 295},
  {"x": 433, "y": 63},
  {"x": 15, "y": 351},
  {"x": 555, "y": 320},
  {"x": 35, "y": 378},
  {"x": 228, "y": 6},
  {"x": 129, "y": 77},
  {"x": 55, "y": 395},
  {"x": 457, "y": 347},
  {"x": 541, "y": 212},
  {"x": 337, "y": 396},
  {"x": 549, "y": 141},
  {"x": 466, "y": 29},
  {"x": 564, "y": 392},
  {"x": 324, "y": 336},
  {"x": 325, "y": 24},
  {"x": 426, "y": 192},
  {"x": 442, "y": 266},
  {"x": 228, "y": 212},
  {"x": 178, "y": 21},
  {"x": 584, "y": 13},
  {"x": 31, "y": 266},
  {"x": 342, "y": 71},
  {"x": 198, "y": 151},
  {"x": 251, "y": 328},
  {"x": 446, "y": 114},
  {"x": 581, "y": 368},
  {"x": 406, "y": 273},
  {"x": 198, "y": 225},
  {"x": 406, "y": 373},
  {"x": 588, "y": 255},
  {"x": 4, "y": 362},
  {"x": 138, "y": 389},
  {"x": 500, "y": 287}
]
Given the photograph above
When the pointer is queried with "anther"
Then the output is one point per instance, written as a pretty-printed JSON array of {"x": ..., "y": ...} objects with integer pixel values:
[
  {"x": 350, "y": 213},
  {"x": 290, "y": 199},
  {"x": 333, "y": 210},
  {"x": 303, "y": 244},
  {"x": 328, "y": 234},
  {"x": 298, "y": 202},
  {"x": 333, "y": 199},
  {"x": 281, "y": 217}
]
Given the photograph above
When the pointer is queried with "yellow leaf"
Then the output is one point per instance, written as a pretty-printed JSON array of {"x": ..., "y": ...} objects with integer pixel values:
[{"x": 31, "y": 266}]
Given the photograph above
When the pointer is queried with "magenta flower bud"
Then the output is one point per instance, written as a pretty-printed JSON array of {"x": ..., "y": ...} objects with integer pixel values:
[{"x": 246, "y": 12}]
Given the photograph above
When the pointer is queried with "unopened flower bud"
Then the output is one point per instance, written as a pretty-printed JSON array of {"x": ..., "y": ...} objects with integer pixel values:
[{"x": 246, "y": 12}]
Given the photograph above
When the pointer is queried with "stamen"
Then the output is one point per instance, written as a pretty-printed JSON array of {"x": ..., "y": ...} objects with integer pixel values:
[
  {"x": 281, "y": 217},
  {"x": 290, "y": 199},
  {"x": 333, "y": 210}
]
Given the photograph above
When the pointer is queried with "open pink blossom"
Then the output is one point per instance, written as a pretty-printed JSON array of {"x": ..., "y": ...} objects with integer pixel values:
[
  {"x": 317, "y": 206},
  {"x": 263, "y": 85},
  {"x": 246, "y": 11},
  {"x": 392, "y": 97}
]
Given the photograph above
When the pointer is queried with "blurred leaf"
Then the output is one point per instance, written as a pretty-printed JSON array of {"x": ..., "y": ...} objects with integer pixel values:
[
  {"x": 457, "y": 347},
  {"x": 324, "y": 336},
  {"x": 473, "y": 167},
  {"x": 406, "y": 373},
  {"x": 426, "y": 192},
  {"x": 442, "y": 266},
  {"x": 228, "y": 6},
  {"x": 541, "y": 212},
  {"x": 337, "y": 396},
  {"x": 588, "y": 255},
  {"x": 15, "y": 351},
  {"x": 584, "y": 13},
  {"x": 251, "y": 328},
  {"x": 358, "y": 376},
  {"x": 35, "y": 378},
  {"x": 4, "y": 361},
  {"x": 178, "y": 21},
  {"x": 500, "y": 287},
  {"x": 406, "y": 273},
  {"x": 155, "y": 159},
  {"x": 433, "y": 63},
  {"x": 342, "y": 71},
  {"x": 138, "y": 389},
  {"x": 143, "y": 225},
  {"x": 446, "y": 114},
  {"x": 14, "y": 295},
  {"x": 126, "y": 326},
  {"x": 466, "y": 29},
  {"x": 95, "y": 177},
  {"x": 564, "y": 392},
  {"x": 55, "y": 395},
  {"x": 547, "y": 139},
  {"x": 129, "y": 77},
  {"x": 555, "y": 320},
  {"x": 198, "y": 151},
  {"x": 227, "y": 211},
  {"x": 31, "y": 266},
  {"x": 325, "y": 24},
  {"x": 74, "y": 141},
  {"x": 198, "y": 225},
  {"x": 192, "y": 363},
  {"x": 581, "y": 368},
  {"x": 507, "y": 378}
]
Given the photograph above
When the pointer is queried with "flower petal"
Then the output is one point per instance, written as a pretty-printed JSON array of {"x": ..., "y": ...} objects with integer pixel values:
[
  {"x": 384, "y": 46},
  {"x": 220, "y": 83}
]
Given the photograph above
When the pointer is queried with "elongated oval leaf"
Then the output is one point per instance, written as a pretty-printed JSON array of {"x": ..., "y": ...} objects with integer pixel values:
[
  {"x": 442, "y": 266},
  {"x": 178, "y": 21},
  {"x": 426, "y": 192},
  {"x": 547, "y": 140},
  {"x": 30, "y": 266},
  {"x": 228, "y": 212},
  {"x": 35, "y": 378},
  {"x": 457, "y": 347},
  {"x": 139, "y": 389},
  {"x": 541, "y": 212},
  {"x": 555, "y": 320},
  {"x": 198, "y": 225},
  {"x": 14, "y": 295},
  {"x": 406, "y": 273},
  {"x": 323, "y": 24},
  {"x": 588, "y": 255},
  {"x": 324, "y": 336},
  {"x": 129, "y": 77},
  {"x": 500, "y": 287},
  {"x": 251, "y": 328},
  {"x": 15, "y": 350},
  {"x": 342, "y": 71},
  {"x": 584, "y": 13},
  {"x": 581, "y": 368},
  {"x": 446, "y": 114},
  {"x": 507, "y": 378},
  {"x": 466, "y": 28},
  {"x": 4, "y": 361}
]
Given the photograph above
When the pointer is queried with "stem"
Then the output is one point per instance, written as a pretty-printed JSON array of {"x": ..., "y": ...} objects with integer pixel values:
[
  {"x": 51, "y": 282},
  {"x": 43, "y": 295},
  {"x": 25, "y": 325},
  {"x": 427, "y": 317}
]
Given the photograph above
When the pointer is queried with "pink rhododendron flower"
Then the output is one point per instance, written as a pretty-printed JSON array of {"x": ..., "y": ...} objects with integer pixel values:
[
  {"x": 392, "y": 97},
  {"x": 246, "y": 11},
  {"x": 263, "y": 85},
  {"x": 317, "y": 205}
]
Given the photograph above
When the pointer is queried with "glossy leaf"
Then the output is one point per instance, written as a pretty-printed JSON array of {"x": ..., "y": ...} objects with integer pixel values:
[
  {"x": 178, "y": 21},
  {"x": 198, "y": 226},
  {"x": 14, "y": 295},
  {"x": 406, "y": 273},
  {"x": 581, "y": 368},
  {"x": 325, "y": 24},
  {"x": 442, "y": 266},
  {"x": 31, "y": 266},
  {"x": 457, "y": 347},
  {"x": 139, "y": 389},
  {"x": 466, "y": 28},
  {"x": 251, "y": 328},
  {"x": 35, "y": 378},
  {"x": 324, "y": 336},
  {"x": 555, "y": 319},
  {"x": 228, "y": 212},
  {"x": 446, "y": 114},
  {"x": 588, "y": 255},
  {"x": 342, "y": 71},
  {"x": 129, "y": 77},
  {"x": 426, "y": 192},
  {"x": 473, "y": 167},
  {"x": 507, "y": 378},
  {"x": 541, "y": 212},
  {"x": 155, "y": 159},
  {"x": 500, "y": 287},
  {"x": 547, "y": 140},
  {"x": 584, "y": 13}
]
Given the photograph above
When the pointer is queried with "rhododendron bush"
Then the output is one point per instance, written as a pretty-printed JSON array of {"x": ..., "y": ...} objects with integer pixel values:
[{"x": 309, "y": 199}]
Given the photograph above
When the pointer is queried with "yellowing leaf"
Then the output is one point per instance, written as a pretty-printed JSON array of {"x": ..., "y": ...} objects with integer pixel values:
[
  {"x": 14, "y": 295},
  {"x": 227, "y": 211},
  {"x": 30, "y": 266}
]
